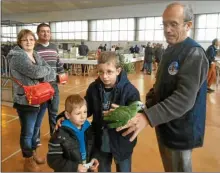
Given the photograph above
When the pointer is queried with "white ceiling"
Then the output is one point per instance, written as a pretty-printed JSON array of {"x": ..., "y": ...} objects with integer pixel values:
[{"x": 34, "y": 6}]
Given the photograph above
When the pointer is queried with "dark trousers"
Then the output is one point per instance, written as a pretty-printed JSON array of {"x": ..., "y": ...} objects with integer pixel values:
[
  {"x": 148, "y": 67},
  {"x": 105, "y": 162},
  {"x": 52, "y": 106},
  {"x": 174, "y": 160}
]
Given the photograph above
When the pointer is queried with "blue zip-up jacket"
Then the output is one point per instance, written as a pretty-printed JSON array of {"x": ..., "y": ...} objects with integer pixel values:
[{"x": 80, "y": 134}]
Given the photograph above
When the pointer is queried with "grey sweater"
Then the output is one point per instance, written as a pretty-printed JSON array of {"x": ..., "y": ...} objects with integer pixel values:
[
  {"x": 27, "y": 72},
  {"x": 191, "y": 76}
]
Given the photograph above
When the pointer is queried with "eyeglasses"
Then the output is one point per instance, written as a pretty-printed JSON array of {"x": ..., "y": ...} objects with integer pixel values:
[
  {"x": 108, "y": 73},
  {"x": 26, "y": 40},
  {"x": 173, "y": 25}
]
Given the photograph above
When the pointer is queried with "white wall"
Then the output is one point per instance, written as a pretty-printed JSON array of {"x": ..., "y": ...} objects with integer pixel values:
[{"x": 139, "y": 10}]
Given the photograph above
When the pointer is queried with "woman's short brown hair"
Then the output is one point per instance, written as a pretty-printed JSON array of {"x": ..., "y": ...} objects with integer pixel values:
[
  {"x": 23, "y": 33},
  {"x": 73, "y": 101}
]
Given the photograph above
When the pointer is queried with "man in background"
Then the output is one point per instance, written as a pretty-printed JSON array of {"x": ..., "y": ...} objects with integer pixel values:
[
  {"x": 83, "y": 51},
  {"x": 211, "y": 53}
]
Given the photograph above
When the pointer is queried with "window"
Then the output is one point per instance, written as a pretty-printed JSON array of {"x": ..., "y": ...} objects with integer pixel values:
[
  {"x": 107, "y": 36},
  {"x": 207, "y": 27},
  {"x": 123, "y": 24},
  {"x": 150, "y": 29},
  {"x": 115, "y": 35},
  {"x": 9, "y": 33},
  {"x": 112, "y": 30},
  {"x": 99, "y": 36},
  {"x": 123, "y": 35},
  {"x": 158, "y": 34},
  {"x": 130, "y": 35},
  {"x": 131, "y": 24},
  {"x": 69, "y": 30},
  {"x": 32, "y": 27},
  {"x": 115, "y": 24},
  {"x": 99, "y": 25},
  {"x": 84, "y": 26},
  {"x": 107, "y": 25},
  {"x": 149, "y": 35}
]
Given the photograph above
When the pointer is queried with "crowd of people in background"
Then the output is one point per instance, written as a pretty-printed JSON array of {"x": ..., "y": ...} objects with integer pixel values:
[
  {"x": 5, "y": 48},
  {"x": 152, "y": 56}
]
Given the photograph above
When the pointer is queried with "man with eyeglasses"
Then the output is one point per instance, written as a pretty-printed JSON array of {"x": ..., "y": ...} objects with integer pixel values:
[{"x": 176, "y": 105}]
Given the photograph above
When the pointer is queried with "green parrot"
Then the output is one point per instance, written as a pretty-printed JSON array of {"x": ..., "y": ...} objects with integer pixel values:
[{"x": 121, "y": 115}]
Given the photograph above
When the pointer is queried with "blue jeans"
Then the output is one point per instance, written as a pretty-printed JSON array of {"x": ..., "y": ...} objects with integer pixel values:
[
  {"x": 175, "y": 160},
  {"x": 148, "y": 67},
  {"x": 30, "y": 126},
  {"x": 105, "y": 162}
]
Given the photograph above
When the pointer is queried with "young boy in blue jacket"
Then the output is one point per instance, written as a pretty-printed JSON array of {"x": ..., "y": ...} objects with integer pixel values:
[
  {"x": 71, "y": 147},
  {"x": 111, "y": 86}
]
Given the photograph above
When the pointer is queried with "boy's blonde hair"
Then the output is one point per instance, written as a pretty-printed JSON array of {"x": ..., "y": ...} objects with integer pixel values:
[
  {"x": 106, "y": 57},
  {"x": 73, "y": 101}
]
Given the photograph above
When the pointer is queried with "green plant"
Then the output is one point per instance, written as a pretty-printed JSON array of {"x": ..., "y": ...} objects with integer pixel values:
[{"x": 126, "y": 66}]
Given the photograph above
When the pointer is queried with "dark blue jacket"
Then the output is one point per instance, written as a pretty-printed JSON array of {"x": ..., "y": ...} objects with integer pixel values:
[
  {"x": 187, "y": 131},
  {"x": 123, "y": 94},
  {"x": 211, "y": 53}
]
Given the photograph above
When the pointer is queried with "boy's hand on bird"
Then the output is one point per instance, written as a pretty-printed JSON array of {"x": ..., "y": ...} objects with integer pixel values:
[{"x": 113, "y": 107}]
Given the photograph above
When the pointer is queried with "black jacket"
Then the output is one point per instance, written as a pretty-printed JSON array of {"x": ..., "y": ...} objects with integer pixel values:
[
  {"x": 148, "y": 54},
  {"x": 158, "y": 54},
  {"x": 83, "y": 50},
  {"x": 123, "y": 94},
  {"x": 211, "y": 52},
  {"x": 64, "y": 152}
]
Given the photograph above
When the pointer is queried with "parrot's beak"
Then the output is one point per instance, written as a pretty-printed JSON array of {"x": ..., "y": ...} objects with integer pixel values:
[{"x": 142, "y": 106}]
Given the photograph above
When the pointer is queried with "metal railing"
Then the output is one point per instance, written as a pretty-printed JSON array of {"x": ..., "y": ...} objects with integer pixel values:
[{"x": 6, "y": 82}]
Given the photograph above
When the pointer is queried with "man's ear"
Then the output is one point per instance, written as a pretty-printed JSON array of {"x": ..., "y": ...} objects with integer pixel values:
[
  {"x": 67, "y": 115},
  {"x": 189, "y": 25},
  {"x": 119, "y": 70}
]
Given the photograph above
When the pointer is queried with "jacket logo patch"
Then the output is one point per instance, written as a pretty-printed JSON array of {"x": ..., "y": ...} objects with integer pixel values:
[{"x": 173, "y": 68}]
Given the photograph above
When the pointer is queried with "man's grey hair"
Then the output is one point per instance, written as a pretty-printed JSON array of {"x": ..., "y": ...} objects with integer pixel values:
[{"x": 187, "y": 10}]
